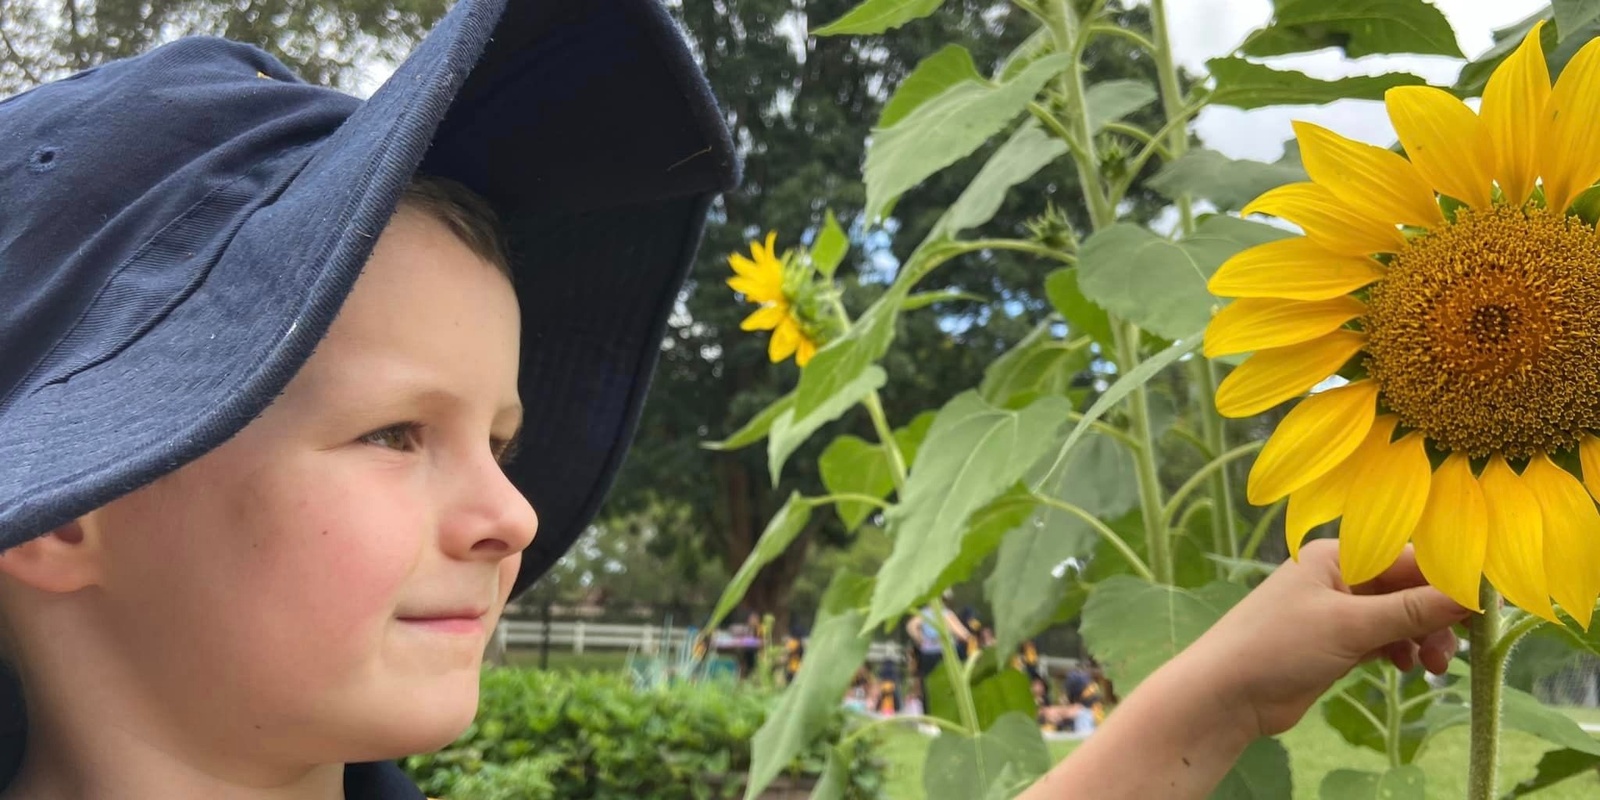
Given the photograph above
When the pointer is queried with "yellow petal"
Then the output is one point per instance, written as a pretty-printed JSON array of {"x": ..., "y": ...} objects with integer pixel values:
[
  {"x": 807, "y": 349},
  {"x": 1272, "y": 376},
  {"x": 765, "y": 318},
  {"x": 1329, "y": 221},
  {"x": 1388, "y": 490},
  {"x": 1377, "y": 183},
  {"x": 1323, "y": 499},
  {"x": 1259, "y": 323},
  {"x": 1571, "y": 153},
  {"x": 757, "y": 291},
  {"x": 1447, "y": 143},
  {"x": 1514, "y": 559},
  {"x": 1319, "y": 501},
  {"x": 1513, "y": 105},
  {"x": 1453, "y": 534},
  {"x": 744, "y": 266},
  {"x": 785, "y": 339},
  {"x": 1293, "y": 269},
  {"x": 772, "y": 246},
  {"x": 1589, "y": 459},
  {"x": 1315, "y": 437},
  {"x": 1571, "y": 537}
]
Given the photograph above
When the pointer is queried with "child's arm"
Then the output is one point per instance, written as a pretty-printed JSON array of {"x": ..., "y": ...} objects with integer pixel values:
[{"x": 1255, "y": 673}]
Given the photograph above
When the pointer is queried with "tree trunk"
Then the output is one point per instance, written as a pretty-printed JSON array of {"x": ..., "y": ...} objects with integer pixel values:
[{"x": 748, "y": 504}]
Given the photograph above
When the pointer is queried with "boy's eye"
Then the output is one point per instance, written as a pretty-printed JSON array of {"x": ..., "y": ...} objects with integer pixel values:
[{"x": 395, "y": 437}]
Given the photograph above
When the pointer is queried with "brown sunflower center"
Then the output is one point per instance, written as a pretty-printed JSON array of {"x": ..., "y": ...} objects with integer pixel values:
[{"x": 1485, "y": 335}]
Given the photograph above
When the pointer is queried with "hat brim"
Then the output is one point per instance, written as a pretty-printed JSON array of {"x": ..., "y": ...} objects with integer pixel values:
[{"x": 588, "y": 128}]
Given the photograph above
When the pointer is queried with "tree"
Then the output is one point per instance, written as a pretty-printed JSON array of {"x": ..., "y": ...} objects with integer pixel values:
[
  {"x": 804, "y": 109},
  {"x": 330, "y": 43}
]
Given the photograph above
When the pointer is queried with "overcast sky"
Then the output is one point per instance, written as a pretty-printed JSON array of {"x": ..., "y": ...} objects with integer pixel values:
[{"x": 1203, "y": 29}]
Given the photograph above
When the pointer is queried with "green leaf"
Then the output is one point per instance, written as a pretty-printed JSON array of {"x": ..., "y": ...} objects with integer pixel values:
[
  {"x": 852, "y": 465},
  {"x": 1524, "y": 713},
  {"x": 1004, "y": 692},
  {"x": 756, "y": 429},
  {"x": 947, "y": 128},
  {"x": 1555, "y": 767},
  {"x": 877, "y": 16},
  {"x": 1401, "y": 783},
  {"x": 1100, "y": 477},
  {"x": 1036, "y": 46},
  {"x": 974, "y": 452},
  {"x": 1475, "y": 75},
  {"x": 1358, "y": 27},
  {"x": 789, "y": 432},
  {"x": 1009, "y": 784},
  {"x": 962, "y": 768},
  {"x": 1228, "y": 183},
  {"x": 830, "y": 247},
  {"x": 1112, "y": 100},
  {"x": 1342, "y": 710},
  {"x": 910, "y": 437},
  {"x": 1136, "y": 377},
  {"x": 835, "y": 779},
  {"x": 932, "y": 76},
  {"x": 1243, "y": 84},
  {"x": 843, "y": 361},
  {"x": 1027, "y": 151},
  {"x": 925, "y": 299},
  {"x": 1036, "y": 366},
  {"x": 986, "y": 529},
  {"x": 1573, "y": 16},
  {"x": 833, "y": 653},
  {"x": 780, "y": 533},
  {"x": 1160, "y": 284},
  {"x": 1134, "y": 626},
  {"x": 1262, "y": 773},
  {"x": 1082, "y": 315}
]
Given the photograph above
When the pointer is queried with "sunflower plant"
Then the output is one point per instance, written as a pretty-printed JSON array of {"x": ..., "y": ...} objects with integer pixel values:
[{"x": 1392, "y": 342}]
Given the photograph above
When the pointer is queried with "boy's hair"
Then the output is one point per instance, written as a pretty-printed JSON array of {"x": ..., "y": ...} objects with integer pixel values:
[{"x": 464, "y": 212}]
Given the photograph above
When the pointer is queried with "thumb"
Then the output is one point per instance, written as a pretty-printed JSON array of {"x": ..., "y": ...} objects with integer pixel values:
[{"x": 1405, "y": 614}]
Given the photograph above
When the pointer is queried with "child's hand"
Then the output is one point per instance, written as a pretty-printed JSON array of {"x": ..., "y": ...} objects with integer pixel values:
[{"x": 1303, "y": 629}]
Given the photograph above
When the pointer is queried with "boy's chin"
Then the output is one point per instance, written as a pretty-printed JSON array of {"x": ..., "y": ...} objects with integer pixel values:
[{"x": 424, "y": 721}]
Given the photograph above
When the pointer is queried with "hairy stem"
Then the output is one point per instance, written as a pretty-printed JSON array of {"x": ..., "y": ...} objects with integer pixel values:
[{"x": 1488, "y": 673}]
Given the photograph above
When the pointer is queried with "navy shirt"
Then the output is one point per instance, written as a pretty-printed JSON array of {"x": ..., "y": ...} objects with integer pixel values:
[{"x": 379, "y": 780}]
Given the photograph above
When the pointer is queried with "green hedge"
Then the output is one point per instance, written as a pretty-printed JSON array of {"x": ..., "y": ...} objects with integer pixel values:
[{"x": 568, "y": 736}]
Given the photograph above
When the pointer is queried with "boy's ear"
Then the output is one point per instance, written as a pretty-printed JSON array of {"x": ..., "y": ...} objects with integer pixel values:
[{"x": 64, "y": 560}]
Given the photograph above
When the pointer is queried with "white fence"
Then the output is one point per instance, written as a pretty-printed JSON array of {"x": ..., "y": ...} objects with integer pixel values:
[{"x": 579, "y": 636}]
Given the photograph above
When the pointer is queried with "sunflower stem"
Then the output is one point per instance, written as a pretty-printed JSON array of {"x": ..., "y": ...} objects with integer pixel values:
[
  {"x": 1225, "y": 521},
  {"x": 1488, "y": 672},
  {"x": 1391, "y": 702},
  {"x": 880, "y": 423},
  {"x": 1157, "y": 546}
]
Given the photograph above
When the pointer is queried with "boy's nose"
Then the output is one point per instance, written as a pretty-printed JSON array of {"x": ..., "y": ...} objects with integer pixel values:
[{"x": 494, "y": 522}]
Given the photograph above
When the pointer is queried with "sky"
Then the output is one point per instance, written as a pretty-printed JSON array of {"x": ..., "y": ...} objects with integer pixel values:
[{"x": 1203, "y": 29}]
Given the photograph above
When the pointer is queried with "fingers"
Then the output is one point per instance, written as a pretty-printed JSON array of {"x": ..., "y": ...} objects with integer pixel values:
[
  {"x": 1436, "y": 649},
  {"x": 1407, "y": 614},
  {"x": 1403, "y": 574}
]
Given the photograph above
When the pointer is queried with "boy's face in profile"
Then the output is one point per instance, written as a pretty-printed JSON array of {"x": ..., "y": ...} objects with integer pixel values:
[{"x": 264, "y": 598}]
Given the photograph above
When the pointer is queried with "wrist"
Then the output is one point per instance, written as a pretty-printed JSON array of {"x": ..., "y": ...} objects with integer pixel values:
[{"x": 1216, "y": 690}]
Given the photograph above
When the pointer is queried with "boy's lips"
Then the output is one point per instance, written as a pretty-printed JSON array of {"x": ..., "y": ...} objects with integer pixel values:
[{"x": 460, "y": 620}]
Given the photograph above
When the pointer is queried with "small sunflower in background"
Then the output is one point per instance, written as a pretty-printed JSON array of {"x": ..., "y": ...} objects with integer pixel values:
[
  {"x": 786, "y": 293},
  {"x": 1456, "y": 291}
]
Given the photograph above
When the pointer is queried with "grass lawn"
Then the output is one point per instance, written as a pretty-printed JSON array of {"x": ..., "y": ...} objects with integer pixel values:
[
  {"x": 1315, "y": 750},
  {"x": 566, "y": 660}
]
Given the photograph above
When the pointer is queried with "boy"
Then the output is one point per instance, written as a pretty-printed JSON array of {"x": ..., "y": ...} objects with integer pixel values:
[{"x": 262, "y": 367}]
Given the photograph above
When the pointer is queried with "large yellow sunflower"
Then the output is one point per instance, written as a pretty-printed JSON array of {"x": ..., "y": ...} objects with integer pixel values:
[
  {"x": 760, "y": 278},
  {"x": 1459, "y": 297}
]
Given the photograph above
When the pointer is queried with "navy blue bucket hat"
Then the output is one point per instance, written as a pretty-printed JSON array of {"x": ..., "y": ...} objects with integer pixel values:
[{"x": 179, "y": 229}]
